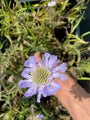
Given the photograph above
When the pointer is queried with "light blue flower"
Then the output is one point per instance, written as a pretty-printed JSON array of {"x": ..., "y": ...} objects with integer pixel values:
[
  {"x": 39, "y": 76},
  {"x": 51, "y": 4},
  {"x": 40, "y": 116}
]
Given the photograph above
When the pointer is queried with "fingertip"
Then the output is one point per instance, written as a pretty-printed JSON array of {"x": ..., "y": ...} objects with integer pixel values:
[{"x": 37, "y": 56}]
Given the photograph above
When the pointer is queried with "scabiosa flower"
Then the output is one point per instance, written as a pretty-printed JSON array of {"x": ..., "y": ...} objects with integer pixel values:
[
  {"x": 40, "y": 116},
  {"x": 51, "y": 4},
  {"x": 39, "y": 76}
]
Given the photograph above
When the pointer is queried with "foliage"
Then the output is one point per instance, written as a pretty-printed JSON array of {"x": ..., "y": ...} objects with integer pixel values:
[{"x": 23, "y": 32}]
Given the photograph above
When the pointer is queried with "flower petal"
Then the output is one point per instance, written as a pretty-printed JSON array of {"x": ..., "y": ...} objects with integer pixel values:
[
  {"x": 51, "y": 4},
  {"x": 40, "y": 116},
  {"x": 25, "y": 83},
  {"x": 61, "y": 68},
  {"x": 31, "y": 91},
  {"x": 27, "y": 63},
  {"x": 31, "y": 62},
  {"x": 39, "y": 97},
  {"x": 42, "y": 62},
  {"x": 50, "y": 78},
  {"x": 41, "y": 91},
  {"x": 25, "y": 73},
  {"x": 59, "y": 75},
  {"x": 52, "y": 87},
  {"x": 46, "y": 58},
  {"x": 32, "y": 59},
  {"x": 52, "y": 61}
]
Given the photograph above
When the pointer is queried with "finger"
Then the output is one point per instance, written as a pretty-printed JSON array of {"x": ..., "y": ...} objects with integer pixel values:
[{"x": 37, "y": 56}]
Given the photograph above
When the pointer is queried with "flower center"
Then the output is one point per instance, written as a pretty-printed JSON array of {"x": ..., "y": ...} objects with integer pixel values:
[{"x": 40, "y": 75}]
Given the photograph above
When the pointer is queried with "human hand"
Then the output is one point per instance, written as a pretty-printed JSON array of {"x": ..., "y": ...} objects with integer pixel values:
[
  {"x": 72, "y": 96},
  {"x": 65, "y": 85}
]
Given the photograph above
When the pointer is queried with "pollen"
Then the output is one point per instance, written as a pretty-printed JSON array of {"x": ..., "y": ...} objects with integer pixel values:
[{"x": 40, "y": 75}]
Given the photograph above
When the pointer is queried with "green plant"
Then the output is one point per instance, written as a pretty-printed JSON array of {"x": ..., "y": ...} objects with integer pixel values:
[{"x": 23, "y": 32}]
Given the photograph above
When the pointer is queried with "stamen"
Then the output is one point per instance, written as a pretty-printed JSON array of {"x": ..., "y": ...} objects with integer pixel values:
[{"x": 40, "y": 75}]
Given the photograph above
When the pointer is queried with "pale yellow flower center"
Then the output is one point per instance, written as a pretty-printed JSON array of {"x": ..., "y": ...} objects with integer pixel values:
[{"x": 40, "y": 75}]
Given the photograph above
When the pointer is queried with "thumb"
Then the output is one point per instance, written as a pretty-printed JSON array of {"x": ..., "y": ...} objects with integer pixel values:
[{"x": 37, "y": 56}]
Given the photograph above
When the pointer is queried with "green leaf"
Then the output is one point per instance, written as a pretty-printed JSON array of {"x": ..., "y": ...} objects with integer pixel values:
[
  {"x": 8, "y": 115},
  {"x": 26, "y": 49},
  {"x": 76, "y": 24},
  {"x": 31, "y": 7},
  {"x": 30, "y": 37},
  {"x": 45, "y": 112},
  {"x": 1, "y": 45},
  {"x": 43, "y": 4},
  {"x": 84, "y": 78},
  {"x": 64, "y": 4},
  {"x": 7, "y": 5},
  {"x": 85, "y": 34},
  {"x": 21, "y": 10},
  {"x": 9, "y": 38}
]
